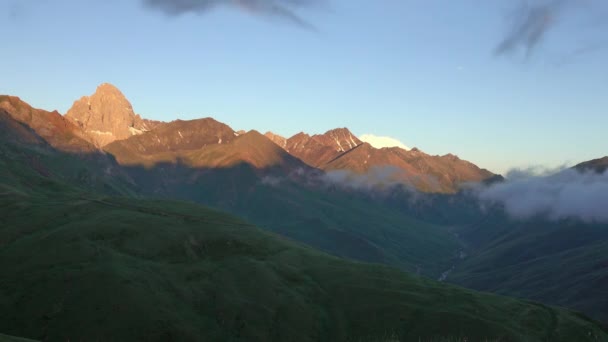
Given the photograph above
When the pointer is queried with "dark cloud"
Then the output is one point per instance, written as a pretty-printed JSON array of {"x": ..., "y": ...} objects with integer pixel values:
[
  {"x": 282, "y": 9},
  {"x": 531, "y": 23},
  {"x": 568, "y": 194},
  {"x": 534, "y": 20}
]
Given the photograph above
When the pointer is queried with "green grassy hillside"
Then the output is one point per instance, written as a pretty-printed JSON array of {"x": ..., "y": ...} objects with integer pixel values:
[
  {"x": 84, "y": 267},
  {"x": 335, "y": 221},
  {"x": 6, "y": 338},
  {"x": 563, "y": 263}
]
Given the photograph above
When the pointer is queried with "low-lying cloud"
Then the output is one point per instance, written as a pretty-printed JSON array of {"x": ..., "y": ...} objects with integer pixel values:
[
  {"x": 375, "y": 177},
  {"x": 381, "y": 142},
  {"x": 281, "y": 9},
  {"x": 569, "y": 194}
]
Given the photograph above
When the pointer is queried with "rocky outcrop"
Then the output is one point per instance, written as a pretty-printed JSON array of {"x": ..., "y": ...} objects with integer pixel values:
[{"x": 107, "y": 116}]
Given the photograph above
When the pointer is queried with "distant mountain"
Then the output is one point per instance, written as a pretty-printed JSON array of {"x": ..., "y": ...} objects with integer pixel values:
[
  {"x": 425, "y": 172},
  {"x": 340, "y": 150},
  {"x": 166, "y": 141},
  {"x": 107, "y": 116},
  {"x": 106, "y": 120},
  {"x": 598, "y": 165},
  {"x": 318, "y": 150},
  {"x": 277, "y": 139},
  {"x": 203, "y": 143}
]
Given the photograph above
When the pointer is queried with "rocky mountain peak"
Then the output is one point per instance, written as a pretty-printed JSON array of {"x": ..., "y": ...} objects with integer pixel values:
[
  {"x": 277, "y": 139},
  {"x": 342, "y": 139},
  {"x": 107, "y": 116}
]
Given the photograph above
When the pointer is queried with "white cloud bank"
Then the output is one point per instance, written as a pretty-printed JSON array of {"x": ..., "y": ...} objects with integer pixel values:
[
  {"x": 381, "y": 142},
  {"x": 567, "y": 194}
]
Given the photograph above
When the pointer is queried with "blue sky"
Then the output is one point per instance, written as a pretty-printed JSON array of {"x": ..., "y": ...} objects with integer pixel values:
[{"x": 423, "y": 72}]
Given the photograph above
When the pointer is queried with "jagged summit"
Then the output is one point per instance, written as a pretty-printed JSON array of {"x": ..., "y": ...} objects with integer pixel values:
[
  {"x": 318, "y": 149},
  {"x": 107, "y": 116},
  {"x": 277, "y": 139},
  {"x": 340, "y": 138}
]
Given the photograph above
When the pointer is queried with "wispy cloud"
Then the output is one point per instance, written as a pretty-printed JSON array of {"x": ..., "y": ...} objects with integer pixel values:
[
  {"x": 532, "y": 21},
  {"x": 282, "y": 9}
]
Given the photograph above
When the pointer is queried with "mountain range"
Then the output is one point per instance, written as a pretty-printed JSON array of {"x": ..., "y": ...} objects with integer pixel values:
[
  {"x": 88, "y": 185},
  {"x": 106, "y": 120}
]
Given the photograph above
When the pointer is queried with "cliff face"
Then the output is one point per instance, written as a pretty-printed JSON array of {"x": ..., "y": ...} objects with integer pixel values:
[{"x": 107, "y": 116}]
